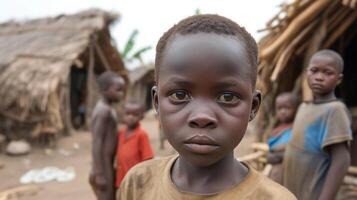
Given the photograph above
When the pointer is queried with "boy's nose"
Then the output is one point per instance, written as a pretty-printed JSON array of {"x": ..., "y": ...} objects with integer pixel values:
[
  {"x": 202, "y": 118},
  {"x": 319, "y": 77}
]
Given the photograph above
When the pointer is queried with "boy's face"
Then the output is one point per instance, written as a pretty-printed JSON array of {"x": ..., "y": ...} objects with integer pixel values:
[
  {"x": 285, "y": 109},
  {"x": 133, "y": 114},
  {"x": 205, "y": 96},
  {"x": 115, "y": 91},
  {"x": 323, "y": 75}
]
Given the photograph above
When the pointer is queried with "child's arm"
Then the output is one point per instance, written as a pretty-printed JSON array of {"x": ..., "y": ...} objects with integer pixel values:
[
  {"x": 340, "y": 161},
  {"x": 279, "y": 148},
  {"x": 276, "y": 155},
  {"x": 99, "y": 130}
]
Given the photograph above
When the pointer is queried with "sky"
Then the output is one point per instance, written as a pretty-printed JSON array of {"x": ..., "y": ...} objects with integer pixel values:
[{"x": 151, "y": 18}]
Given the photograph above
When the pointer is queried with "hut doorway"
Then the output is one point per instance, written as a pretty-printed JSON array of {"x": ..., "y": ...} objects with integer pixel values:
[
  {"x": 78, "y": 94},
  {"x": 348, "y": 89}
]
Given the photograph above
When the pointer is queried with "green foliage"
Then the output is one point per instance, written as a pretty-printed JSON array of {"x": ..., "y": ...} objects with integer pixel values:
[
  {"x": 129, "y": 48},
  {"x": 129, "y": 44}
]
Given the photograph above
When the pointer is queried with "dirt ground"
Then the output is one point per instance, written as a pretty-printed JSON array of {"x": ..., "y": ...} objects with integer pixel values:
[{"x": 74, "y": 151}]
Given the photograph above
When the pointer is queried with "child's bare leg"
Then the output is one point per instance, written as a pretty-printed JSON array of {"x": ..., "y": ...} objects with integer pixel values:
[
  {"x": 111, "y": 180},
  {"x": 92, "y": 184},
  {"x": 108, "y": 192}
]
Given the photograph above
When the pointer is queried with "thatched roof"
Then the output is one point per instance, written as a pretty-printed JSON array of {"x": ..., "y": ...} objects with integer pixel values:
[
  {"x": 301, "y": 28},
  {"x": 141, "y": 80},
  {"x": 140, "y": 73},
  {"x": 64, "y": 36},
  {"x": 36, "y": 56}
]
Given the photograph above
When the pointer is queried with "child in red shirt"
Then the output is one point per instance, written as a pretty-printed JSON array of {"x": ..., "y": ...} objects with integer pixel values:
[{"x": 133, "y": 145}]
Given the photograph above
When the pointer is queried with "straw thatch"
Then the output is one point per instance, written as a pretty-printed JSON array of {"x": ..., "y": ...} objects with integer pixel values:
[
  {"x": 37, "y": 58},
  {"x": 301, "y": 28},
  {"x": 141, "y": 81}
]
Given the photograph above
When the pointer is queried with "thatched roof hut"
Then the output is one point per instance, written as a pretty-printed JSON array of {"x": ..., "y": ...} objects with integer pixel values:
[
  {"x": 301, "y": 28},
  {"x": 141, "y": 79},
  {"x": 48, "y": 70}
]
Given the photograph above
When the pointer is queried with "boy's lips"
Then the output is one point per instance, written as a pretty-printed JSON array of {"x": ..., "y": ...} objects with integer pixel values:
[
  {"x": 201, "y": 144},
  {"x": 317, "y": 86}
]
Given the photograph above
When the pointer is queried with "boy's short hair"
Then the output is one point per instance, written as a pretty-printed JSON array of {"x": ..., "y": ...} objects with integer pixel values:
[
  {"x": 295, "y": 99},
  {"x": 105, "y": 79},
  {"x": 209, "y": 23},
  {"x": 331, "y": 54},
  {"x": 135, "y": 102}
]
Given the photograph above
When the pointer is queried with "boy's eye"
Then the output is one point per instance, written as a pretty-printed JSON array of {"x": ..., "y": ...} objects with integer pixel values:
[
  {"x": 228, "y": 98},
  {"x": 312, "y": 70},
  {"x": 179, "y": 96},
  {"x": 329, "y": 73}
]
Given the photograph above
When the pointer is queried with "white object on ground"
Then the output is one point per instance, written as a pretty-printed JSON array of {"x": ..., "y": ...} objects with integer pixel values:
[
  {"x": 19, "y": 147},
  {"x": 48, "y": 174},
  {"x": 67, "y": 175},
  {"x": 64, "y": 152},
  {"x": 76, "y": 146}
]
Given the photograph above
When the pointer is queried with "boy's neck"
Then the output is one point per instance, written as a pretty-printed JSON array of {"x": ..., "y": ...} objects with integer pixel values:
[
  {"x": 106, "y": 101},
  {"x": 208, "y": 180},
  {"x": 324, "y": 98},
  {"x": 130, "y": 128},
  {"x": 285, "y": 123}
]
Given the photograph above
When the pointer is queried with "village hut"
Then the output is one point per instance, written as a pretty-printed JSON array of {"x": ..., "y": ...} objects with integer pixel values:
[
  {"x": 301, "y": 28},
  {"x": 142, "y": 79},
  {"x": 48, "y": 71}
]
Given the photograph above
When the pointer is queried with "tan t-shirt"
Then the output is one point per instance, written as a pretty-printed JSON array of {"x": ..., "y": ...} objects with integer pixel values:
[{"x": 151, "y": 180}]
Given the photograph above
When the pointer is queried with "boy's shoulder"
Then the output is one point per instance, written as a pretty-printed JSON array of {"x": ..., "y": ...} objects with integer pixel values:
[
  {"x": 149, "y": 168},
  {"x": 102, "y": 109},
  {"x": 144, "y": 178},
  {"x": 336, "y": 104},
  {"x": 331, "y": 106},
  {"x": 141, "y": 130},
  {"x": 337, "y": 107}
]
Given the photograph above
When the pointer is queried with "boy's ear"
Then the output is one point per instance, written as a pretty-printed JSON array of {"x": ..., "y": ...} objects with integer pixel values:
[
  {"x": 154, "y": 97},
  {"x": 257, "y": 99},
  {"x": 340, "y": 78}
]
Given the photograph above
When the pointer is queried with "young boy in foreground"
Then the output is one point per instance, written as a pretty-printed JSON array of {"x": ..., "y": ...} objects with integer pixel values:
[
  {"x": 317, "y": 157},
  {"x": 286, "y": 105},
  {"x": 104, "y": 136},
  {"x": 133, "y": 141},
  {"x": 205, "y": 96}
]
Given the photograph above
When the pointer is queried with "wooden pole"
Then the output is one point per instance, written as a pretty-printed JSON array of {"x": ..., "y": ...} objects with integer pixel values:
[
  {"x": 343, "y": 27},
  {"x": 295, "y": 26},
  {"x": 286, "y": 55},
  {"x": 90, "y": 79},
  {"x": 102, "y": 56}
]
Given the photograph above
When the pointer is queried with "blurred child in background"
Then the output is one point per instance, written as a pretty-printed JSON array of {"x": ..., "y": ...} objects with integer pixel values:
[
  {"x": 133, "y": 145},
  {"x": 286, "y": 105}
]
